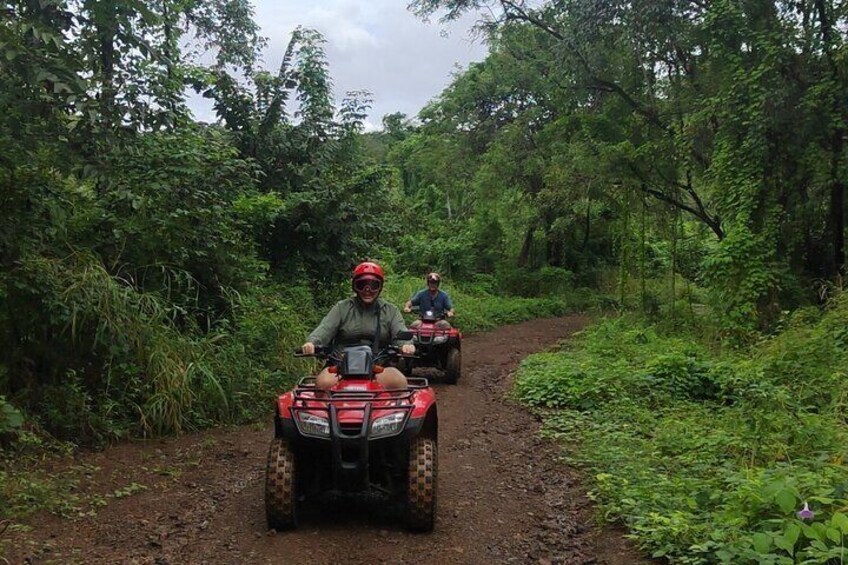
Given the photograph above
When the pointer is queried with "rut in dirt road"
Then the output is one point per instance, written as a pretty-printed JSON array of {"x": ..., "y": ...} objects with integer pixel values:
[{"x": 503, "y": 497}]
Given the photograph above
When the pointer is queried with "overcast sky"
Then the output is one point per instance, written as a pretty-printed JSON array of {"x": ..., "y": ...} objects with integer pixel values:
[{"x": 374, "y": 45}]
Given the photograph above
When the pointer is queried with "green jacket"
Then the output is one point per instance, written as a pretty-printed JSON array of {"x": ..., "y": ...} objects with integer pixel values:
[{"x": 350, "y": 322}]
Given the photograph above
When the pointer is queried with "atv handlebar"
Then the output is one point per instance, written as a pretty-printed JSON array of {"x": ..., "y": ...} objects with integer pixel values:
[
  {"x": 326, "y": 352},
  {"x": 443, "y": 315},
  {"x": 391, "y": 350},
  {"x": 320, "y": 351}
]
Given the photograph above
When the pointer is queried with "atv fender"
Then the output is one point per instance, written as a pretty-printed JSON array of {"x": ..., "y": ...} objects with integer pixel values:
[{"x": 428, "y": 426}]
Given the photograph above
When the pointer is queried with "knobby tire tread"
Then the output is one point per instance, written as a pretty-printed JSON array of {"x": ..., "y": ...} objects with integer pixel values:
[
  {"x": 453, "y": 366},
  {"x": 421, "y": 492},
  {"x": 280, "y": 486}
]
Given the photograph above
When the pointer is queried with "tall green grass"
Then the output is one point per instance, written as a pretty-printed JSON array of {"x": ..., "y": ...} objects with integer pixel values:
[
  {"x": 137, "y": 363},
  {"x": 133, "y": 362}
]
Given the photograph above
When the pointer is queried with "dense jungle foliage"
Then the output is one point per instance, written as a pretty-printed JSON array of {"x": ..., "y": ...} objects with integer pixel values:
[
  {"x": 676, "y": 138},
  {"x": 687, "y": 159},
  {"x": 698, "y": 148},
  {"x": 683, "y": 160},
  {"x": 155, "y": 271}
]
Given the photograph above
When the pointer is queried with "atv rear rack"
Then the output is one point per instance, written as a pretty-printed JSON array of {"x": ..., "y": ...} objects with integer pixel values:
[{"x": 435, "y": 332}]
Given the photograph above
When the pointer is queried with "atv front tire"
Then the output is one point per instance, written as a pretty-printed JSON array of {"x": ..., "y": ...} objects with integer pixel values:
[
  {"x": 280, "y": 486},
  {"x": 453, "y": 366},
  {"x": 421, "y": 489}
]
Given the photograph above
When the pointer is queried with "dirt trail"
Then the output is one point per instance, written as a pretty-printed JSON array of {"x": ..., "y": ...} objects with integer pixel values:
[{"x": 503, "y": 497}]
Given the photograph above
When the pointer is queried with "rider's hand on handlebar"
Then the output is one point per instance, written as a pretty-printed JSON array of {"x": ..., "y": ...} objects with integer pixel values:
[
  {"x": 450, "y": 313},
  {"x": 407, "y": 349},
  {"x": 308, "y": 348},
  {"x": 407, "y": 309}
]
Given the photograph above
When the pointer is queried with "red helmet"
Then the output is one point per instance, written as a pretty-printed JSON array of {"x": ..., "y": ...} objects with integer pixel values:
[{"x": 368, "y": 268}]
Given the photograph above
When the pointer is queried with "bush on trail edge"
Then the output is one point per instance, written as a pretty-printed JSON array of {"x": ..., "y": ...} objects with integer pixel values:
[{"x": 707, "y": 457}]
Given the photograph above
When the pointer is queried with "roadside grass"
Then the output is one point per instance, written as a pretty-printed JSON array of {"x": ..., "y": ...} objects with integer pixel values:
[
  {"x": 35, "y": 478},
  {"x": 480, "y": 307},
  {"x": 38, "y": 476},
  {"x": 707, "y": 456}
]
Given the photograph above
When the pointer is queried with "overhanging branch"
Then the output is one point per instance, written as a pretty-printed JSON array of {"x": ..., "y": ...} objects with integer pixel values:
[{"x": 699, "y": 211}]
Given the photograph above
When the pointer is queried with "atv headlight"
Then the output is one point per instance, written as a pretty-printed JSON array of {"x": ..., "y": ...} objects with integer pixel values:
[
  {"x": 312, "y": 425},
  {"x": 388, "y": 425},
  {"x": 440, "y": 339}
]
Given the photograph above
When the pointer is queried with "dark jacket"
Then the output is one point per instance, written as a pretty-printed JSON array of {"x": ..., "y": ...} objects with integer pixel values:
[{"x": 425, "y": 301}]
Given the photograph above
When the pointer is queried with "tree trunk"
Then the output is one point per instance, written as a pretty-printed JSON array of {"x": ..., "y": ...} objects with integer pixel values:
[
  {"x": 527, "y": 246},
  {"x": 588, "y": 224},
  {"x": 643, "y": 291},
  {"x": 837, "y": 144},
  {"x": 106, "y": 34},
  {"x": 837, "y": 206}
]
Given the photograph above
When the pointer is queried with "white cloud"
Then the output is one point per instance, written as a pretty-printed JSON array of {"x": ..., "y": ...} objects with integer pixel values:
[{"x": 374, "y": 45}]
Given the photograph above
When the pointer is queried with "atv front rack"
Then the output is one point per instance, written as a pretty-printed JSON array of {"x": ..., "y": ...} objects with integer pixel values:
[
  {"x": 427, "y": 336},
  {"x": 350, "y": 442},
  {"x": 413, "y": 384}
]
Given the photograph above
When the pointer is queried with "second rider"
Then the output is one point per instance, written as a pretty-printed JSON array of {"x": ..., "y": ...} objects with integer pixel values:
[{"x": 431, "y": 298}]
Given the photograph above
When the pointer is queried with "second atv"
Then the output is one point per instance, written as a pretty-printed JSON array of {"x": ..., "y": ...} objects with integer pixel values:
[{"x": 435, "y": 346}]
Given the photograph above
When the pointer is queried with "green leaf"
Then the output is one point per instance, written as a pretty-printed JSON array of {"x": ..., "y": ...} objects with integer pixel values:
[
  {"x": 792, "y": 533},
  {"x": 10, "y": 417},
  {"x": 785, "y": 500},
  {"x": 840, "y": 520},
  {"x": 821, "y": 530},
  {"x": 762, "y": 542},
  {"x": 785, "y": 544}
]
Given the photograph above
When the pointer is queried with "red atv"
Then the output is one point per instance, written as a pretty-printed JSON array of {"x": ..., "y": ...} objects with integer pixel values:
[
  {"x": 435, "y": 347},
  {"x": 355, "y": 438}
]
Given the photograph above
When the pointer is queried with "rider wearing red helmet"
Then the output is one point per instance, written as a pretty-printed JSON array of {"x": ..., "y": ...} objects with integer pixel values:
[{"x": 353, "y": 321}]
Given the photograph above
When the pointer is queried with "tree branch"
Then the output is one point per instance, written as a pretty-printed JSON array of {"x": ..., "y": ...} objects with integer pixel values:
[
  {"x": 515, "y": 12},
  {"x": 648, "y": 113},
  {"x": 698, "y": 210}
]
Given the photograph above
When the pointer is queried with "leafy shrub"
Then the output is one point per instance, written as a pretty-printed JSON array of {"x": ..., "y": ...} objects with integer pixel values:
[
  {"x": 11, "y": 418},
  {"x": 547, "y": 281},
  {"x": 476, "y": 309},
  {"x": 451, "y": 255},
  {"x": 545, "y": 380},
  {"x": 679, "y": 375},
  {"x": 707, "y": 457}
]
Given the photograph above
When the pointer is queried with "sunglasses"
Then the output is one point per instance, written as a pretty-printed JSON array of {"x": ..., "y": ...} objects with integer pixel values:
[
  {"x": 433, "y": 281},
  {"x": 370, "y": 284}
]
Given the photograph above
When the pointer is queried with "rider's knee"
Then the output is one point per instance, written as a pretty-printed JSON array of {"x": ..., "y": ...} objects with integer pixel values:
[
  {"x": 415, "y": 324},
  {"x": 392, "y": 378},
  {"x": 326, "y": 380},
  {"x": 443, "y": 325}
]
